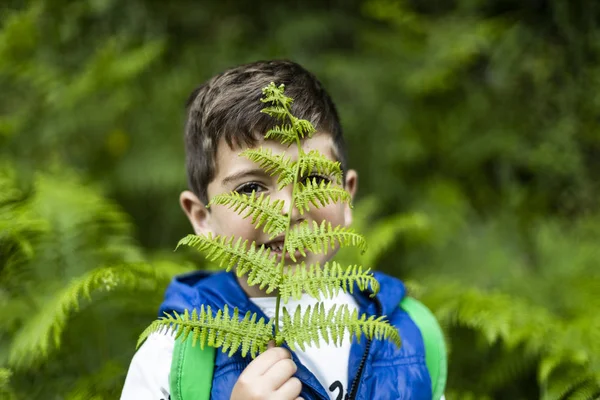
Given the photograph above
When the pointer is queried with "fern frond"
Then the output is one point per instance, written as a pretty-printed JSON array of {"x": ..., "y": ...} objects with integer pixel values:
[
  {"x": 280, "y": 109},
  {"x": 325, "y": 281},
  {"x": 5, "y": 375},
  {"x": 260, "y": 208},
  {"x": 262, "y": 268},
  {"x": 274, "y": 94},
  {"x": 571, "y": 383},
  {"x": 285, "y": 134},
  {"x": 222, "y": 330},
  {"x": 321, "y": 238},
  {"x": 315, "y": 162},
  {"x": 331, "y": 325},
  {"x": 303, "y": 127},
  {"x": 278, "y": 112},
  {"x": 272, "y": 164},
  {"x": 100, "y": 384},
  {"x": 318, "y": 194},
  {"x": 44, "y": 328},
  {"x": 6, "y": 391}
]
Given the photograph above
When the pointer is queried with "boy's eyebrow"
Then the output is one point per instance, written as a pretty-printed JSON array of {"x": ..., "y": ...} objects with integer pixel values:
[{"x": 243, "y": 174}]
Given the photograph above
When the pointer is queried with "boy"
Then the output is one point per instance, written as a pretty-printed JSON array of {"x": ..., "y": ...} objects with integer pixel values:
[{"x": 223, "y": 119}]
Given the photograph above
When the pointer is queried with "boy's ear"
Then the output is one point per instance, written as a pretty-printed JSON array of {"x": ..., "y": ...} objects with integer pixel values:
[
  {"x": 350, "y": 184},
  {"x": 196, "y": 212}
]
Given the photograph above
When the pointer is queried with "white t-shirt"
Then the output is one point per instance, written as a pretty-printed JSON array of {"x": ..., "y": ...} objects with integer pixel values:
[
  {"x": 148, "y": 375},
  {"x": 328, "y": 363}
]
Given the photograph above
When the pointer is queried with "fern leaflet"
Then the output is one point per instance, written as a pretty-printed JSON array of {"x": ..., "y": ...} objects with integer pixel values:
[
  {"x": 325, "y": 281},
  {"x": 45, "y": 327},
  {"x": 274, "y": 94},
  {"x": 262, "y": 268},
  {"x": 260, "y": 208},
  {"x": 301, "y": 330},
  {"x": 277, "y": 112},
  {"x": 284, "y": 134},
  {"x": 222, "y": 330},
  {"x": 318, "y": 194},
  {"x": 303, "y": 127},
  {"x": 321, "y": 238},
  {"x": 315, "y": 162},
  {"x": 272, "y": 164}
]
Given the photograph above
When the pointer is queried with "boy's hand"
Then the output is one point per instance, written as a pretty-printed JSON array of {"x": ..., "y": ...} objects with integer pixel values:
[{"x": 269, "y": 376}]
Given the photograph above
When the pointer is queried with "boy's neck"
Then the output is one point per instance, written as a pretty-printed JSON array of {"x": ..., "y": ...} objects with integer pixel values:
[{"x": 253, "y": 291}]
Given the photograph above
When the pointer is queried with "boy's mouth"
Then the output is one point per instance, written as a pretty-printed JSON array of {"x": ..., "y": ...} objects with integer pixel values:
[{"x": 277, "y": 248}]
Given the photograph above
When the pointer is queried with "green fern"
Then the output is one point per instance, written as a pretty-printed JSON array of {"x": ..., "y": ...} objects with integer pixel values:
[
  {"x": 44, "y": 329},
  {"x": 321, "y": 238},
  {"x": 263, "y": 269},
  {"x": 272, "y": 164},
  {"x": 306, "y": 329},
  {"x": 319, "y": 194},
  {"x": 5, "y": 375},
  {"x": 285, "y": 133},
  {"x": 273, "y": 94},
  {"x": 229, "y": 252},
  {"x": 222, "y": 330},
  {"x": 6, "y": 391},
  {"x": 260, "y": 208},
  {"x": 315, "y": 162},
  {"x": 326, "y": 281}
]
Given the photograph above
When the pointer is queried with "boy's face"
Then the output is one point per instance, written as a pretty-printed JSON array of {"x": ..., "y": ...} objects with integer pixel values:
[{"x": 237, "y": 173}]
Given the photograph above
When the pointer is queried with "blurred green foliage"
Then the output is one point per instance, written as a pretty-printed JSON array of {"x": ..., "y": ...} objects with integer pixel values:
[{"x": 473, "y": 126}]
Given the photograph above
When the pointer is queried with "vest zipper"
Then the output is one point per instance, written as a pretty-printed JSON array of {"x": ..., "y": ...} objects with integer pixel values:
[{"x": 356, "y": 383}]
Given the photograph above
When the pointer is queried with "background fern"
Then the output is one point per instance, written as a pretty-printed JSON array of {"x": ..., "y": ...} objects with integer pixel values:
[{"x": 82, "y": 269}]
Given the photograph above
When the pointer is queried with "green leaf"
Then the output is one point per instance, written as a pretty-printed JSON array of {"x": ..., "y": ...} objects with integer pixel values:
[
  {"x": 319, "y": 195},
  {"x": 44, "y": 329},
  {"x": 331, "y": 325},
  {"x": 326, "y": 281},
  {"x": 5, "y": 375},
  {"x": 258, "y": 263},
  {"x": 263, "y": 212},
  {"x": 280, "y": 113},
  {"x": 279, "y": 165},
  {"x": 222, "y": 330},
  {"x": 303, "y": 127},
  {"x": 285, "y": 134},
  {"x": 274, "y": 94},
  {"x": 321, "y": 238},
  {"x": 315, "y": 162}
]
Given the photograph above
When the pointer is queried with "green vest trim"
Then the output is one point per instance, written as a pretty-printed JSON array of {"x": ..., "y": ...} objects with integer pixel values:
[
  {"x": 192, "y": 370},
  {"x": 435, "y": 346}
]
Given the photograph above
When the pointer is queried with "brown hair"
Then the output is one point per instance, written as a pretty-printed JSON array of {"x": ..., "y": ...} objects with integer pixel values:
[{"x": 227, "y": 106}]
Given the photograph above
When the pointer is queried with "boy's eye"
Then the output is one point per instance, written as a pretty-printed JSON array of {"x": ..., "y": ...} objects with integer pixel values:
[
  {"x": 318, "y": 179},
  {"x": 248, "y": 188}
]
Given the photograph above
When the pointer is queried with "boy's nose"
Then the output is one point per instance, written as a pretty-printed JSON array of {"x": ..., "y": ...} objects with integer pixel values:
[{"x": 286, "y": 196}]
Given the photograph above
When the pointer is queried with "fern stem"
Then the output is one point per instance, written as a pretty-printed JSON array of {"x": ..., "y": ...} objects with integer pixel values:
[{"x": 287, "y": 231}]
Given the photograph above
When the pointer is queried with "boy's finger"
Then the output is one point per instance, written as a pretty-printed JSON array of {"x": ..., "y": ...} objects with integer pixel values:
[
  {"x": 290, "y": 389},
  {"x": 265, "y": 360},
  {"x": 280, "y": 373}
]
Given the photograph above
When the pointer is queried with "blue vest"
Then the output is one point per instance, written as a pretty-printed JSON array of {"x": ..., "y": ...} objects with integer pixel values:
[{"x": 376, "y": 369}]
